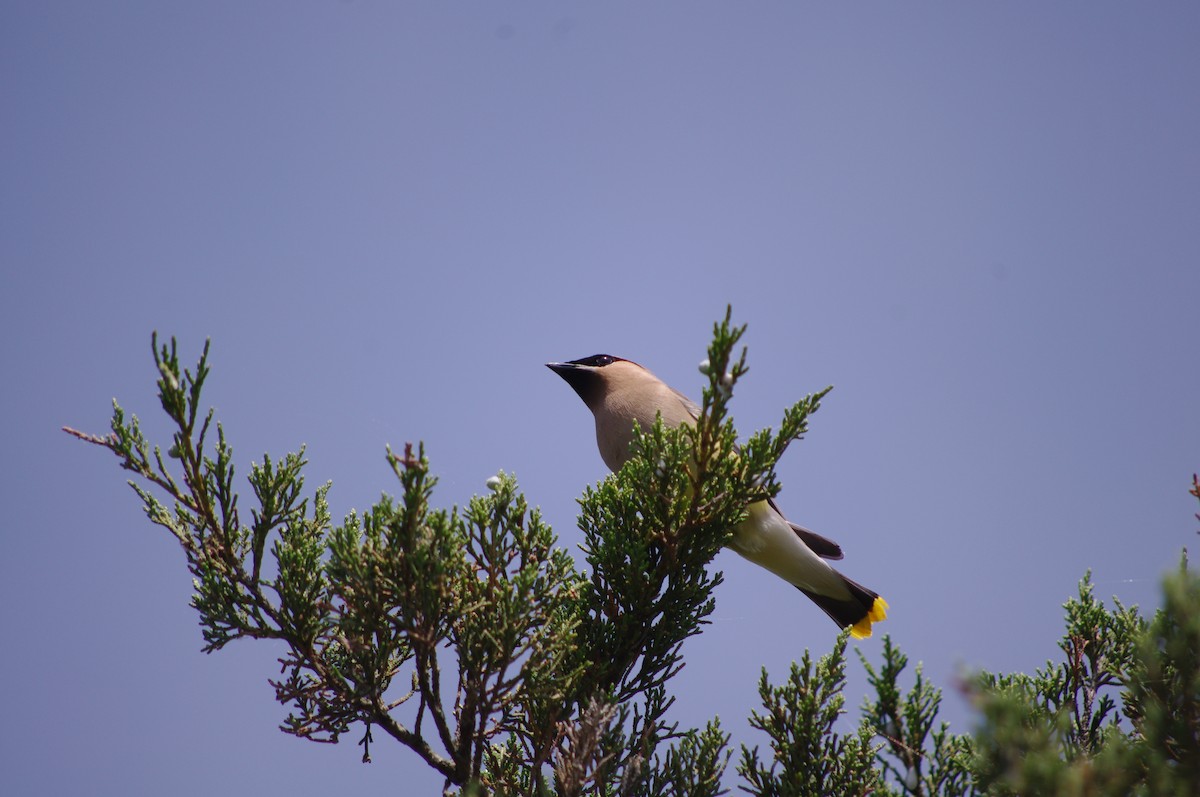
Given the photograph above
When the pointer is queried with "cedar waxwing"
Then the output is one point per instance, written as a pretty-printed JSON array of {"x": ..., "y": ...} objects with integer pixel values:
[{"x": 620, "y": 392}]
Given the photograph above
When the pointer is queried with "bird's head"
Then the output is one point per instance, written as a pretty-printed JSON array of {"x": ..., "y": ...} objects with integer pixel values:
[{"x": 593, "y": 377}]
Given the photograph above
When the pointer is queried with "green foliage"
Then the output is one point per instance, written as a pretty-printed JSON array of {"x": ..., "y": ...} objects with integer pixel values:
[
  {"x": 693, "y": 767},
  {"x": 809, "y": 757},
  {"x": 1060, "y": 731},
  {"x": 1163, "y": 696},
  {"x": 916, "y": 758},
  {"x": 471, "y": 637},
  {"x": 1076, "y": 697}
]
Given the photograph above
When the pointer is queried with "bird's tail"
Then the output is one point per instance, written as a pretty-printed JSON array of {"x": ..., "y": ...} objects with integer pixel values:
[{"x": 857, "y": 613}]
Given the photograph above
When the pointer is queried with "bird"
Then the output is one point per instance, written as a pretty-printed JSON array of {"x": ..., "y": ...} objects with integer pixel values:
[{"x": 620, "y": 392}]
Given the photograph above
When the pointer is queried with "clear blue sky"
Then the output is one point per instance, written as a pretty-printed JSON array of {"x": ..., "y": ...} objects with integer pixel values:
[{"x": 979, "y": 222}]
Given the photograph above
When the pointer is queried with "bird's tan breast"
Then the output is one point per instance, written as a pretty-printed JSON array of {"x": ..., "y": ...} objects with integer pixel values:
[{"x": 621, "y": 409}]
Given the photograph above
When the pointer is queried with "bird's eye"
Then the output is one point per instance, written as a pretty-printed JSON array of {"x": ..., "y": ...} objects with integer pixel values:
[{"x": 596, "y": 360}]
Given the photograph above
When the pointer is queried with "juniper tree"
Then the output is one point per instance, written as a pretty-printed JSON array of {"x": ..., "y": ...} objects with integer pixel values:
[
  {"x": 470, "y": 636},
  {"x": 1118, "y": 715}
]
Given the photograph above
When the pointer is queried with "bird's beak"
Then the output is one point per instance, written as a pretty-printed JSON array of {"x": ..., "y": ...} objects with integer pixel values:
[{"x": 562, "y": 369}]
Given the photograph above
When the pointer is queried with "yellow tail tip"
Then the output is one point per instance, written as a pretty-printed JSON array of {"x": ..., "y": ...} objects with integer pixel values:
[{"x": 877, "y": 613}]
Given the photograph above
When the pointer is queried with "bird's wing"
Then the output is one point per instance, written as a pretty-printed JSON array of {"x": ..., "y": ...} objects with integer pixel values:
[
  {"x": 821, "y": 546},
  {"x": 691, "y": 406}
]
